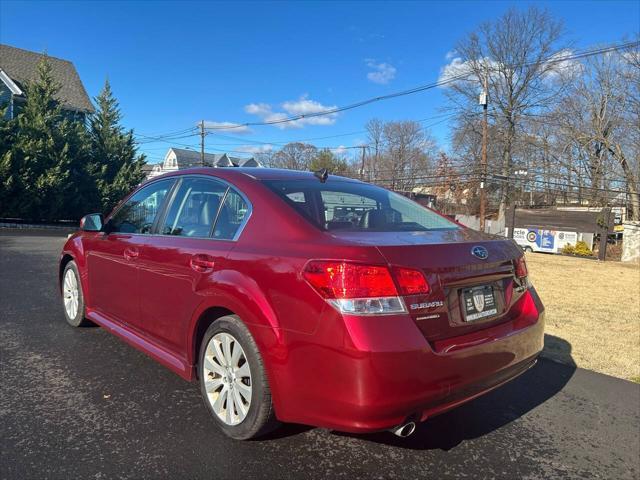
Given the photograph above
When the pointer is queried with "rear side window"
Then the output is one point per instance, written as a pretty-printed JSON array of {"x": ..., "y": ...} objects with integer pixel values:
[
  {"x": 342, "y": 205},
  {"x": 233, "y": 213},
  {"x": 195, "y": 208},
  {"x": 140, "y": 210}
]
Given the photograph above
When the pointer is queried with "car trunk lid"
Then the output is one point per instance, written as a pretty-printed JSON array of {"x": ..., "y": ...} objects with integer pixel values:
[{"x": 455, "y": 277}]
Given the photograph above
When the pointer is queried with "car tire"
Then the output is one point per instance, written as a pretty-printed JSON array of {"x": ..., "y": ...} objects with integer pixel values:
[
  {"x": 528, "y": 249},
  {"x": 222, "y": 368},
  {"x": 72, "y": 296}
]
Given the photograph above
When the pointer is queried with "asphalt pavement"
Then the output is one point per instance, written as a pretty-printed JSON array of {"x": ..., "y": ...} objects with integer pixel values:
[{"x": 80, "y": 403}]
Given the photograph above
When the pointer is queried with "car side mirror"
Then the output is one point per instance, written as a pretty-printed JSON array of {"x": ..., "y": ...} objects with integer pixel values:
[{"x": 92, "y": 223}]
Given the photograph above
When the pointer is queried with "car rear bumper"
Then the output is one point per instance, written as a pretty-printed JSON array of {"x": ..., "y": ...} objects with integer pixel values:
[{"x": 388, "y": 373}]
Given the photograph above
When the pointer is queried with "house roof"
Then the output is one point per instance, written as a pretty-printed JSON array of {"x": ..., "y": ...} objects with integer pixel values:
[
  {"x": 191, "y": 158},
  {"x": 563, "y": 220},
  {"x": 21, "y": 66}
]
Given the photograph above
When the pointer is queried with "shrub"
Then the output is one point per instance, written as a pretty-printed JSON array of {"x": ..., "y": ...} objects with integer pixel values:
[{"x": 580, "y": 248}]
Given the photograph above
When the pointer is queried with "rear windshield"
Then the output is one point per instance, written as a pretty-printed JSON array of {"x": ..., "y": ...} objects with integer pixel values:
[{"x": 340, "y": 205}]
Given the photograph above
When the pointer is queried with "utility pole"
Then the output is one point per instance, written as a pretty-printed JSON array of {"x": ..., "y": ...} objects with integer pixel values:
[
  {"x": 362, "y": 163},
  {"x": 484, "y": 100},
  {"x": 202, "y": 134}
]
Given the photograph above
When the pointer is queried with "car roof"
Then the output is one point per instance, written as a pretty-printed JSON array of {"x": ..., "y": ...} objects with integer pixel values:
[{"x": 256, "y": 173}]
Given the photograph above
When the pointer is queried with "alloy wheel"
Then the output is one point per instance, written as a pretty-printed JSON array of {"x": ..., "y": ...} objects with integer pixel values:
[
  {"x": 71, "y": 293},
  {"x": 227, "y": 378}
]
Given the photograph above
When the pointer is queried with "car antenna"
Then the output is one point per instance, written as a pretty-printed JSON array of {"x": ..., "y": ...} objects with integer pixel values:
[{"x": 321, "y": 174}]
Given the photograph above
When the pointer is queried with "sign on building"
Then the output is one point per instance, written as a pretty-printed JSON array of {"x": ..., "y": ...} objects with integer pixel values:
[{"x": 540, "y": 240}]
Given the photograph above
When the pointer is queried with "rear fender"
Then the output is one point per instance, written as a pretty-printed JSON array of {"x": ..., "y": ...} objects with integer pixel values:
[{"x": 241, "y": 295}]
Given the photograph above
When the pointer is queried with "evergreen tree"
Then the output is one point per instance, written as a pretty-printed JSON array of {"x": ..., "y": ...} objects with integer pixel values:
[
  {"x": 52, "y": 168},
  {"x": 45, "y": 162},
  {"x": 325, "y": 158},
  {"x": 115, "y": 165},
  {"x": 8, "y": 186}
]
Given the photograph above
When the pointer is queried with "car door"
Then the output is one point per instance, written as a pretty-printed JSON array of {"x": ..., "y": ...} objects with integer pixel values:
[
  {"x": 193, "y": 241},
  {"x": 112, "y": 256}
]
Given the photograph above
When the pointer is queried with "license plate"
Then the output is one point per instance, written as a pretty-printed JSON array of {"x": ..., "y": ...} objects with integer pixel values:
[{"x": 479, "y": 302}]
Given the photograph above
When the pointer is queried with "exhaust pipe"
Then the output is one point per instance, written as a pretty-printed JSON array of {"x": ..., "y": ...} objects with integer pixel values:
[{"x": 404, "y": 430}]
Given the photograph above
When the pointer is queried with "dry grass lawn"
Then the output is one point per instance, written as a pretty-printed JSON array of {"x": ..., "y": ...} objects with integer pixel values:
[{"x": 592, "y": 312}]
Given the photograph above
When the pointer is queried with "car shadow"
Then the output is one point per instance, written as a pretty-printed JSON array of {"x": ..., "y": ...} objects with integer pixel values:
[
  {"x": 286, "y": 430},
  {"x": 557, "y": 349},
  {"x": 493, "y": 410}
]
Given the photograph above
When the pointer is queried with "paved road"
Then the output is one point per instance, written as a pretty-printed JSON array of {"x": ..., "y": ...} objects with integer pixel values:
[{"x": 82, "y": 404}]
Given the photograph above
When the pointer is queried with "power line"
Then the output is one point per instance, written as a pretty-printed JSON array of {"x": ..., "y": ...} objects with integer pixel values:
[
  {"x": 146, "y": 139},
  {"x": 331, "y": 111},
  {"x": 169, "y": 134},
  {"x": 190, "y": 132},
  {"x": 179, "y": 134},
  {"x": 244, "y": 141},
  {"x": 557, "y": 184}
]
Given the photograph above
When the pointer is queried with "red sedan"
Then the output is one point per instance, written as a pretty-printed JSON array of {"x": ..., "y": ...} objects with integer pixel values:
[{"x": 295, "y": 297}]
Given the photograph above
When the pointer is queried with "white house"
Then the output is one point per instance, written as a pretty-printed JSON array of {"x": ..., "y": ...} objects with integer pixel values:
[{"x": 179, "y": 158}]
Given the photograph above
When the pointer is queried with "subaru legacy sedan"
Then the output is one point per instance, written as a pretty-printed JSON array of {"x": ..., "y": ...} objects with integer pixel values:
[{"x": 299, "y": 297}]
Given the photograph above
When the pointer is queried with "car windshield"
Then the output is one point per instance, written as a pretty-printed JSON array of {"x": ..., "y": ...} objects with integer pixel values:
[{"x": 353, "y": 206}]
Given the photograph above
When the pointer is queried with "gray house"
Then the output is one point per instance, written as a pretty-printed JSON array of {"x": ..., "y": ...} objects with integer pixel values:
[
  {"x": 179, "y": 158},
  {"x": 18, "y": 66}
]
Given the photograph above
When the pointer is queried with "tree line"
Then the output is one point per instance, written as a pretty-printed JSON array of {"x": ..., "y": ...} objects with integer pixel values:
[
  {"x": 394, "y": 153},
  {"x": 54, "y": 166}
]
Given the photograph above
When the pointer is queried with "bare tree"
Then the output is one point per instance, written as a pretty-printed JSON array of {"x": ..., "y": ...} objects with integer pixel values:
[
  {"x": 375, "y": 128},
  {"x": 399, "y": 153},
  {"x": 405, "y": 156},
  {"x": 294, "y": 156},
  {"x": 466, "y": 143},
  {"x": 513, "y": 55},
  {"x": 599, "y": 113}
]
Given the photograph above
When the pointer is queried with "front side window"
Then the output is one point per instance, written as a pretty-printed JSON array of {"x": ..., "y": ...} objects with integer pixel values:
[
  {"x": 342, "y": 205},
  {"x": 195, "y": 208},
  {"x": 140, "y": 210}
]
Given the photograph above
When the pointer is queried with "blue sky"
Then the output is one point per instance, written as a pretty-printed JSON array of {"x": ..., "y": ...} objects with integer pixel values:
[{"x": 172, "y": 64}]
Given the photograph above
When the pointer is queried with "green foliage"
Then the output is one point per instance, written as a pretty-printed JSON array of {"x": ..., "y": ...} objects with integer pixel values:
[
  {"x": 52, "y": 167},
  {"x": 114, "y": 165},
  {"x": 580, "y": 248},
  {"x": 325, "y": 158}
]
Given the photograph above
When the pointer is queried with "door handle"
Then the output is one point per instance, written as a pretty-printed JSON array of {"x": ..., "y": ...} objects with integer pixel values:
[
  {"x": 131, "y": 253},
  {"x": 202, "y": 263}
]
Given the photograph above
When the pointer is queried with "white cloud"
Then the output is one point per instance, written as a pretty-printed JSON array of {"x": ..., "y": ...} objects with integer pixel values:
[
  {"x": 255, "y": 149},
  {"x": 455, "y": 68},
  {"x": 227, "y": 126},
  {"x": 381, "y": 73},
  {"x": 563, "y": 67},
  {"x": 303, "y": 106},
  {"x": 341, "y": 150},
  {"x": 258, "y": 108},
  {"x": 292, "y": 108},
  {"x": 557, "y": 66},
  {"x": 450, "y": 54}
]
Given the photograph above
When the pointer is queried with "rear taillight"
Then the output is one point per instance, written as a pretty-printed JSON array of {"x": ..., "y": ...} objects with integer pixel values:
[
  {"x": 355, "y": 288},
  {"x": 410, "y": 281},
  {"x": 349, "y": 280},
  {"x": 521, "y": 267}
]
